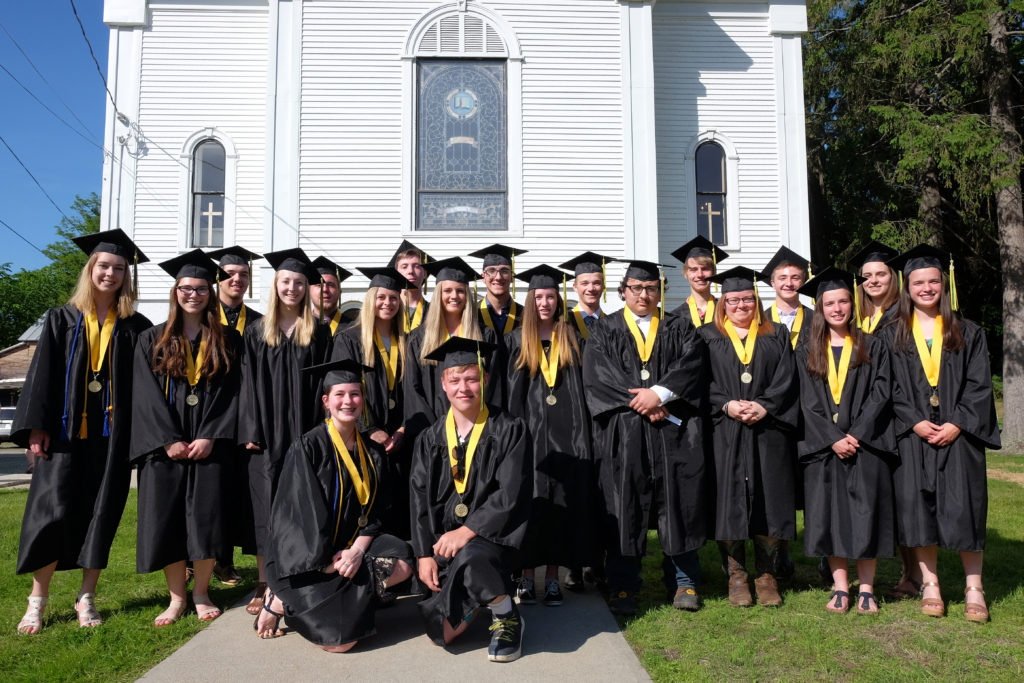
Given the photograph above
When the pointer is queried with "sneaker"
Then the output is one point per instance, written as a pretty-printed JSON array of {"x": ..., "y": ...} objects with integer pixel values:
[
  {"x": 228, "y": 575},
  {"x": 574, "y": 581},
  {"x": 622, "y": 603},
  {"x": 524, "y": 591},
  {"x": 506, "y": 637},
  {"x": 552, "y": 595},
  {"x": 686, "y": 598}
]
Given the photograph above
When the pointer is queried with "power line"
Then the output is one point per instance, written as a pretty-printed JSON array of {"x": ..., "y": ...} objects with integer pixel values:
[
  {"x": 93, "y": 54},
  {"x": 36, "y": 180},
  {"x": 4, "y": 223},
  {"x": 43, "y": 105}
]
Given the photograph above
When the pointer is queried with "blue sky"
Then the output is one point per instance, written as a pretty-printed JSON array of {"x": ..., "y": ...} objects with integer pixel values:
[{"x": 62, "y": 161}]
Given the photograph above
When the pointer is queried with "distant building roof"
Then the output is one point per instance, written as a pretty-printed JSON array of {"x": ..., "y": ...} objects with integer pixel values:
[{"x": 33, "y": 332}]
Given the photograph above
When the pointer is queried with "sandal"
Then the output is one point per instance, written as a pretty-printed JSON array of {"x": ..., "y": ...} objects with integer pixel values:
[
  {"x": 275, "y": 631},
  {"x": 33, "y": 618},
  {"x": 205, "y": 610},
  {"x": 932, "y": 607},
  {"x": 866, "y": 599},
  {"x": 978, "y": 613},
  {"x": 841, "y": 606},
  {"x": 257, "y": 599},
  {"x": 898, "y": 593},
  {"x": 165, "y": 619},
  {"x": 88, "y": 616}
]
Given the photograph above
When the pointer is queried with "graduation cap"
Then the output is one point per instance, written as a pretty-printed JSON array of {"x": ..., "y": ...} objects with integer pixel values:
[
  {"x": 456, "y": 352},
  {"x": 404, "y": 248},
  {"x": 739, "y": 279},
  {"x": 543, "y": 277},
  {"x": 452, "y": 269},
  {"x": 344, "y": 371},
  {"x": 114, "y": 242},
  {"x": 294, "y": 260},
  {"x": 785, "y": 257},
  {"x": 589, "y": 262},
  {"x": 872, "y": 252},
  {"x": 646, "y": 271},
  {"x": 388, "y": 278},
  {"x": 500, "y": 255},
  {"x": 236, "y": 256},
  {"x": 195, "y": 264},
  {"x": 700, "y": 246},
  {"x": 927, "y": 256},
  {"x": 832, "y": 278},
  {"x": 325, "y": 266}
]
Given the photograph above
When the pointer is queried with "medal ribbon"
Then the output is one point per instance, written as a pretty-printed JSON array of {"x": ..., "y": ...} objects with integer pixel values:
[
  {"x": 930, "y": 358},
  {"x": 193, "y": 367},
  {"x": 745, "y": 350},
  {"x": 390, "y": 358},
  {"x": 335, "y": 320},
  {"x": 870, "y": 323},
  {"x": 411, "y": 325},
  {"x": 643, "y": 346},
  {"x": 453, "y": 442},
  {"x": 837, "y": 379},
  {"x": 510, "y": 321},
  {"x": 695, "y": 314},
  {"x": 360, "y": 484},
  {"x": 99, "y": 349},
  {"x": 549, "y": 363},
  {"x": 240, "y": 325},
  {"x": 794, "y": 334}
]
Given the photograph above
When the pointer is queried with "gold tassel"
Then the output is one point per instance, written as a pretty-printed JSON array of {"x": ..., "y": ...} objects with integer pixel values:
[
  {"x": 480, "y": 369},
  {"x": 513, "y": 259},
  {"x": 661, "y": 282},
  {"x": 810, "y": 275},
  {"x": 901, "y": 279},
  {"x": 714, "y": 261},
  {"x": 604, "y": 283},
  {"x": 953, "y": 299},
  {"x": 135, "y": 274},
  {"x": 565, "y": 298},
  {"x": 250, "y": 277},
  {"x": 757, "y": 302},
  {"x": 322, "y": 298},
  {"x": 366, "y": 412},
  {"x": 856, "y": 303}
]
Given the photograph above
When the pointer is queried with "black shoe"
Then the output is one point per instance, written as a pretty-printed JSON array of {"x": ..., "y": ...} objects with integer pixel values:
[
  {"x": 622, "y": 603},
  {"x": 825, "y": 572},
  {"x": 227, "y": 575},
  {"x": 574, "y": 582},
  {"x": 506, "y": 637},
  {"x": 686, "y": 598},
  {"x": 524, "y": 591},
  {"x": 552, "y": 596}
]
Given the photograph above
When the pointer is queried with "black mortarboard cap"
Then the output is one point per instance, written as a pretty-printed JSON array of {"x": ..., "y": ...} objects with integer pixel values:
[
  {"x": 586, "y": 263},
  {"x": 294, "y": 260},
  {"x": 452, "y": 269},
  {"x": 344, "y": 371},
  {"x": 111, "y": 242},
  {"x": 874, "y": 251},
  {"x": 458, "y": 351},
  {"x": 326, "y": 266},
  {"x": 700, "y": 246},
  {"x": 921, "y": 256},
  {"x": 544, "y": 277},
  {"x": 194, "y": 264},
  {"x": 784, "y": 256},
  {"x": 233, "y": 256},
  {"x": 642, "y": 270},
  {"x": 828, "y": 279},
  {"x": 388, "y": 278},
  {"x": 497, "y": 255},
  {"x": 405, "y": 247},
  {"x": 738, "y": 279}
]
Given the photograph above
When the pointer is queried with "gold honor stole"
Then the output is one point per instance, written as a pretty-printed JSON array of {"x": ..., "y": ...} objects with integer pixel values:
[
  {"x": 335, "y": 321},
  {"x": 581, "y": 324},
  {"x": 870, "y": 323},
  {"x": 745, "y": 350},
  {"x": 794, "y": 334},
  {"x": 643, "y": 346},
  {"x": 709, "y": 312},
  {"x": 417, "y": 318},
  {"x": 193, "y": 367},
  {"x": 360, "y": 478},
  {"x": 390, "y": 358},
  {"x": 549, "y": 363},
  {"x": 930, "y": 358},
  {"x": 453, "y": 442},
  {"x": 510, "y": 321},
  {"x": 240, "y": 325},
  {"x": 99, "y": 349},
  {"x": 837, "y": 378}
]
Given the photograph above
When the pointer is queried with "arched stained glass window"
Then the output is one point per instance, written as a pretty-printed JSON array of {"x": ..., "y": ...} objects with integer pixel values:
[
  {"x": 208, "y": 165},
  {"x": 710, "y": 169}
]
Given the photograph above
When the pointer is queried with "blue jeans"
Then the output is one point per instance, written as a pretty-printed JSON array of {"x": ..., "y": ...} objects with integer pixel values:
[{"x": 678, "y": 571}]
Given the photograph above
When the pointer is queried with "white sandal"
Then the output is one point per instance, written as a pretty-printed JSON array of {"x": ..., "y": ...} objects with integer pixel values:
[
  {"x": 34, "y": 616},
  {"x": 88, "y": 617}
]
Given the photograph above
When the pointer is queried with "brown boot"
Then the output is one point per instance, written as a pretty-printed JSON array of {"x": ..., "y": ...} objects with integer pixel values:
[
  {"x": 734, "y": 556},
  {"x": 767, "y": 591}
]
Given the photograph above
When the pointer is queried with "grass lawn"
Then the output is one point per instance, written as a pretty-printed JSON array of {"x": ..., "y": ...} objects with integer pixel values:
[
  {"x": 800, "y": 641},
  {"x": 126, "y": 646}
]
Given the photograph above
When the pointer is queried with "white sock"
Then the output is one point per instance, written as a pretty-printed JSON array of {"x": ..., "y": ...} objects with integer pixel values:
[{"x": 503, "y": 606}]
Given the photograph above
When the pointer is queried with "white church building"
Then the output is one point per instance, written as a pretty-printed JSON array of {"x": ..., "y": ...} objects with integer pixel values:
[{"x": 624, "y": 127}]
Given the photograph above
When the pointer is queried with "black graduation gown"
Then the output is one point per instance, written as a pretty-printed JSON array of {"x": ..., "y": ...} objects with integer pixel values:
[
  {"x": 78, "y": 494},
  {"x": 278, "y": 403},
  {"x": 348, "y": 345},
  {"x": 498, "y": 497},
  {"x": 182, "y": 503},
  {"x": 232, "y": 315},
  {"x": 848, "y": 506},
  {"x": 889, "y": 316},
  {"x": 645, "y": 469},
  {"x": 683, "y": 312},
  {"x": 563, "y": 513},
  {"x": 942, "y": 493},
  {"x": 326, "y": 609},
  {"x": 755, "y": 466}
]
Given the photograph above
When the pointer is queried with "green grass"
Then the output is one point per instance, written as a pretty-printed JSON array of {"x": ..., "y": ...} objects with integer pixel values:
[
  {"x": 801, "y": 642},
  {"x": 1009, "y": 463},
  {"x": 126, "y": 646}
]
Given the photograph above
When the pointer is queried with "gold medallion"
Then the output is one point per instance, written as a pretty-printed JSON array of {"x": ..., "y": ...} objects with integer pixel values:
[
  {"x": 934, "y": 400},
  {"x": 192, "y": 400},
  {"x": 551, "y": 399},
  {"x": 835, "y": 417},
  {"x": 746, "y": 378},
  {"x": 362, "y": 521},
  {"x": 95, "y": 386},
  {"x": 645, "y": 374},
  {"x": 461, "y": 510},
  {"x": 391, "y": 403}
]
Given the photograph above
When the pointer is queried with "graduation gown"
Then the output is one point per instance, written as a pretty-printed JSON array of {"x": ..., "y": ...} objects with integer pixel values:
[
  {"x": 278, "y": 404},
  {"x": 326, "y": 609},
  {"x": 182, "y": 503},
  {"x": 233, "y": 313},
  {"x": 942, "y": 493},
  {"x": 755, "y": 466},
  {"x": 683, "y": 312},
  {"x": 497, "y": 494},
  {"x": 78, "y": 493},
  {"x": 648, "y": 471},
  {"x": 848, "y": 506},
  {"x": 563, "y": 513}
]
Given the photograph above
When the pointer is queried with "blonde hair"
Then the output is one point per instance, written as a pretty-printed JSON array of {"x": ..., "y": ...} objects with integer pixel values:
[
  {"x": 303, "y": 333},
  {"x": 435, "y": 332},
  {"x": 530, "y": 349},
  {"x": 367, "y": 323},
  {"x": 83, "y": 297}
]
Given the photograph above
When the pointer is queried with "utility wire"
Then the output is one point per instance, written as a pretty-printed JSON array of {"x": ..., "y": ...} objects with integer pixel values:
[
  {"x": 93, "y": 54},
  {"x": 4, "y": 223},
  {"x": 36, "y": 180},
  {"x": 43, "y": 105}
]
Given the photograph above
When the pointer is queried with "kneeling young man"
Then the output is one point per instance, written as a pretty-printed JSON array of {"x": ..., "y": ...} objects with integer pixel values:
[{"x": 470, "y": 491}]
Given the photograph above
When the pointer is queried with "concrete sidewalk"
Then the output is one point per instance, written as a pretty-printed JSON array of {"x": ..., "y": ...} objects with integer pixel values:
[{"x": 578, "y": 641}]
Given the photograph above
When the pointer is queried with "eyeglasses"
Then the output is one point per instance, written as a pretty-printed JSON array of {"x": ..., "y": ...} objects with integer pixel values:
[
  {"x": 491, "y": 273},
  {"x": 734, "y": 301},
  {"x": 637, "y": 290},
  {"x": 189, "y": 291}
]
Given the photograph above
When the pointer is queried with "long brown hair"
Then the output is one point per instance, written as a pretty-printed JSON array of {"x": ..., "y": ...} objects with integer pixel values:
[
  {"x": 367, "y": 323},
  {"x": 169, "y": 352},
  {"x": 766, "y": 326},
  {"x": 530, "y": 349},
  {"x": 889, "y": 299},
  {"x": 819, "y": 347},
  {"x": 83, "y": 298},
  {"x": 903, "y": 340}
]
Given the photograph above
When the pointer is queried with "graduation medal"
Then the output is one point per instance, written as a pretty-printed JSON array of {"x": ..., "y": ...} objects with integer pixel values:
[
  {"x": 551, "y": 399},
  {"x": 744, "y": 349},
  {"x": 192, "y": 369},
  {"x": 95, "y": 386},
  {"x": 99, "y": 344},
  {"x": 461, "y": 510},
  {"x": 934, "y": 400},
  {"x": 549, "y": 368},
  {"x": 360, "y": 477},
  {"x": 835, "y": 417},
  {"x": 930, "y": 358},
  {"x": 192, "y": 400},
  {"x": 363, "y": 520},
  {"x": 391, "y": 403},
  {"x": 746, "y": 377},
  {"x": 837, "y": 376},
  {"x": 643, "y": 346}
]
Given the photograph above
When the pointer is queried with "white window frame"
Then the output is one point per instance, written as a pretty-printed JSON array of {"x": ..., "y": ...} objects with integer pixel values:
[
  {"x": 732, "y": 188},
  {"x": 514, "y": 112},
  {"x": 185, "y": 175}
]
